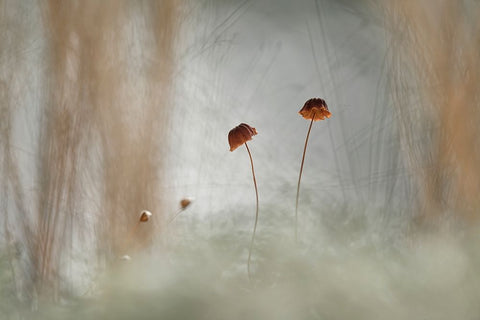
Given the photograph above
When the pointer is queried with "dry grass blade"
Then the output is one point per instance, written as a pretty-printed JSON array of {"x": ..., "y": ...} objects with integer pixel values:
[
  {"x": 98, "y": 122},
  {"x": 435, "y": 61}
]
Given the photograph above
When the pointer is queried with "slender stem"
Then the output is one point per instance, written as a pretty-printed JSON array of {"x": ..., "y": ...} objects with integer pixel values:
[
  {"x": 176, "y": 215},
  {"x": 300, "y": 178},
  {"x": 256, "y": 213}
]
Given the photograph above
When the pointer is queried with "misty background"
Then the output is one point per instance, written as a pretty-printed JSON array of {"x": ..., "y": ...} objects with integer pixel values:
[
  {"x": 258, "y": 62},
  {"x": 114, "y": 107}
]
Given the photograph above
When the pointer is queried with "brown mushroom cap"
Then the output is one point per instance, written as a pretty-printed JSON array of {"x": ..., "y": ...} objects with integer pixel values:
[
  {"x": 239, "y": 135},
  {"x": 184, "y": 203},
  {"x": 145, "y": 216},
  {"x": 315, "y": 109}
]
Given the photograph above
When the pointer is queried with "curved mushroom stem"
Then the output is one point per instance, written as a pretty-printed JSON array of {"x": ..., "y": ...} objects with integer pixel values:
[
  {"x": 256, "y": 214},
  {"x": 300, "y": 178},
  {"x": 175, "y": 216}
]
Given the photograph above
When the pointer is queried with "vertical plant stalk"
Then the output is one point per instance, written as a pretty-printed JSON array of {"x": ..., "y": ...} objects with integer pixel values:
[
  {"x": 256, "y": 214},
  {"x": 300, "y": 178}
]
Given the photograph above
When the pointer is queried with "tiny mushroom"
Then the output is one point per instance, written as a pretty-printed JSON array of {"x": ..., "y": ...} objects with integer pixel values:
[
  {"x": 240, "y": 135},
  {"x": 314, "y": 109},
  {"x": 236, "y": 137},
  {"x": 185, "y": 202},
  {"x": 145, "y": 216}
]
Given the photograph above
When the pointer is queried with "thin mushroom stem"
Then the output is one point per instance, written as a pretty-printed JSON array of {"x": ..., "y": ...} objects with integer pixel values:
[
  {"x": 256, "y": 213},
  {"x": 175, "y": 216},
  {"x": 300, "y": 178}
]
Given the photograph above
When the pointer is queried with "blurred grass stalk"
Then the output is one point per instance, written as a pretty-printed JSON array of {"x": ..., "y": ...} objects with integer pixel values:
[
  {"x": 103, "y": 109},
  {"x": 434, "y": 57}
]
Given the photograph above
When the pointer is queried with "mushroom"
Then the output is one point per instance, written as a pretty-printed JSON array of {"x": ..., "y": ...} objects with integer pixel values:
[
  {"x": 184, "y": 203},
  {"x": 145, "y": 215},
  {"x": 236, "y": 137},
  {"x": 125, "y": 257},
  {"x": 314, "y": 109}
]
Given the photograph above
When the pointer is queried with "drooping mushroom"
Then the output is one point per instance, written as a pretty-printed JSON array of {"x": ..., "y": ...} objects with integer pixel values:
[
  {"x": 236, "y": 137},
  {"x": 184, "y": 203},
  {"x": 240, "y": 135},
  {"x": 314, "y": 109}
]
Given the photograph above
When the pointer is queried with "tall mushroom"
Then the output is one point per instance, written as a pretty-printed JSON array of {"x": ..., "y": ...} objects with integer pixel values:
[
  {"x": 236, "y": 137},
  {"x": 314, "y": 109},
  {"x": 145, "y": 216}
]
